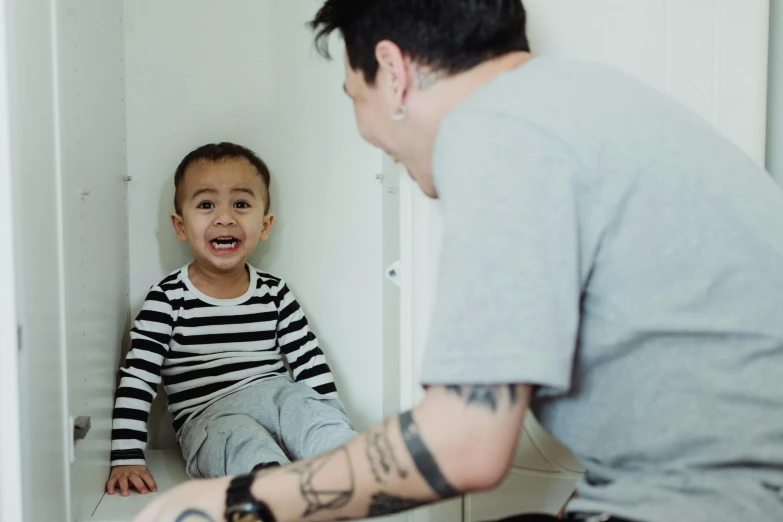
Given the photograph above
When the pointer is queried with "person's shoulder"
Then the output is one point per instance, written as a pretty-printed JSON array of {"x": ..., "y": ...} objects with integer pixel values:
[
  {"x": 548, "y": 85},
  {"x": 173, "y": 283}
]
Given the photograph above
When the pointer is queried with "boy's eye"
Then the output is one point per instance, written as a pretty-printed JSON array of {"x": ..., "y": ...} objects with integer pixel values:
[
  {"x": 241, "y": 204},
  {"x": 206, "y": 205}
]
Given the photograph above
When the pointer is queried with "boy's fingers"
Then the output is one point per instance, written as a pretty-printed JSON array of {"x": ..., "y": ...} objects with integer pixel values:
[
  {"x": 124, "y": 490},
  {"x": 138, "y": 484},
  {"x": 110, "y": 485},
  {"x": 149, "y": 481}
]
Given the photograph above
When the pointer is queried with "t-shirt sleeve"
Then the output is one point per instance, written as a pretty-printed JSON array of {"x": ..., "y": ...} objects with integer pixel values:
[{"x": 508, "y": 298}]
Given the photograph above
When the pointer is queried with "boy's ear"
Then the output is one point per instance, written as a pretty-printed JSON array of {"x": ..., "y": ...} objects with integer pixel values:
[
  {"x": 179, "y": 226},
  {"x": 269, "y": 219}
]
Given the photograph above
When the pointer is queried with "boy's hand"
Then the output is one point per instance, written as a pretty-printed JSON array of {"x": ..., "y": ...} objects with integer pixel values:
[{"x": 137, "y": 476}]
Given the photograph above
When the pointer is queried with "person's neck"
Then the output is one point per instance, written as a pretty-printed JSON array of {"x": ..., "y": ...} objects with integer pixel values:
[
  {"x": 453, "y": 90},
  {"x": 218, "y": 284},
  {"x": 434, "y": 104}
]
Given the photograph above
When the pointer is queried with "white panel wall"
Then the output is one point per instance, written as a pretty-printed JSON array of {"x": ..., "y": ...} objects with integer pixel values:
[
  {"x": 196, "y": 72},
  {"x": 37, "y": 247},
  {"x": 245, "y": 71},
  {"x": 330, "y": 236},
  {"x": 92, "y": 119},
  {"x": 709, "y": 54}
]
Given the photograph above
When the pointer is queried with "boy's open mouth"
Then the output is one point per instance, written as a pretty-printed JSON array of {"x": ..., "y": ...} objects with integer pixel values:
[{"x": 224, "y": 245}]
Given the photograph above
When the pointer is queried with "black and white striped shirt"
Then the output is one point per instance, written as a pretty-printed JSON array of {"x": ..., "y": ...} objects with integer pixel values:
[{"x": 206, "y": 348}]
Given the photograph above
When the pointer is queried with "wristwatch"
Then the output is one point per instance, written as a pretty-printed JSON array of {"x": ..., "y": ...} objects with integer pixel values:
[{"x": 241, "y": 506}]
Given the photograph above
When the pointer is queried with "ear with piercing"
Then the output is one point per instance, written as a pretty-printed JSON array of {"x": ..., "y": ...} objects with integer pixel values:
[{"x": 400, "y": 114}]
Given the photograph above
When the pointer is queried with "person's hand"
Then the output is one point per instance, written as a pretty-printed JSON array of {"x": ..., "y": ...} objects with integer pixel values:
[
  {"x": 197, "y": 500},
  {"x": 124, "y": 476}
]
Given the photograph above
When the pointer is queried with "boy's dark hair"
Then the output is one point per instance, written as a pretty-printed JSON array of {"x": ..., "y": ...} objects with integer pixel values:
[
  {"x": 449, "y": 36},
  {"x": 215, "y": 153}
]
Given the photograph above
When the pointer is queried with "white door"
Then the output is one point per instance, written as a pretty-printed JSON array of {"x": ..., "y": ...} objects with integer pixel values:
[
  {"x": 10, "y": 443},
  {"x": 91, "y": 96},
  {"x": 709, "y": 54},
  {"x": 30, "y": 149}
]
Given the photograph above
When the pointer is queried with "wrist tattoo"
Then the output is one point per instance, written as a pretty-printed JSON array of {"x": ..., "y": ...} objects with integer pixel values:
[
  {"x": 423, "y": 458},
  {"x": 484, "y": 395}
]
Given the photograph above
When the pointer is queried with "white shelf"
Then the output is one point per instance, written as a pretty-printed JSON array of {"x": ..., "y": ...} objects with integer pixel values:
[{"x": 168, "y": 470}]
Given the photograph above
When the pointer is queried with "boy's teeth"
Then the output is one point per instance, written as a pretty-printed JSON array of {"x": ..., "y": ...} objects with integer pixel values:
[{"x": 224, "y": 243}]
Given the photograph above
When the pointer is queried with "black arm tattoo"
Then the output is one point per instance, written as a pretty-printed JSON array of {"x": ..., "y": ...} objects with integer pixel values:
[
  {"x": 380, "y": 454},
  {"x": 320, "y": 493},
  {"x": 194, "y": 515},
  {"x": 481, "y": 394},
  {"x": 423, "y": 458},
  {"x": 383, "y": 504}
]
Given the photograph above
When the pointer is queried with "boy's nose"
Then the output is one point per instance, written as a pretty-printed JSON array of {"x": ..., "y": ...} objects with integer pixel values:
[{"x": 225, "y": 218}]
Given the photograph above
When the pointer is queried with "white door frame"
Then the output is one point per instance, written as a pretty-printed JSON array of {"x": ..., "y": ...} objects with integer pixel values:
[
  {"x": 10, "y": 447},
  {"x": 420, "y": 235}
]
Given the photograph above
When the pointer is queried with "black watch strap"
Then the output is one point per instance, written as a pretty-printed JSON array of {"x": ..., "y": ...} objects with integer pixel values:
[{"x": 241, "y": 506}]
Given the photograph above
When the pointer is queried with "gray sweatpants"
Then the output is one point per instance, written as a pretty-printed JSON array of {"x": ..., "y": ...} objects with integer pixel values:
[{"x": 273, "y": 420}]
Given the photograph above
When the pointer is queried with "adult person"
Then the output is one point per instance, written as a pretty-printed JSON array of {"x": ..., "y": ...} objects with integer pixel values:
[{"x": 609, "y": 260}]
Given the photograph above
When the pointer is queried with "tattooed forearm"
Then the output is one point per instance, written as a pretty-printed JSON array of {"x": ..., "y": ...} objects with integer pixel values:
[
  {"x": 423, "y": 458},
  {"x": 383, "y": 504},
  {"x": 320, "y": 492},
  {"x": 380, "y": 454},
  {"x": 485, "y": 395},
  {"x": 194, "y": 515}
]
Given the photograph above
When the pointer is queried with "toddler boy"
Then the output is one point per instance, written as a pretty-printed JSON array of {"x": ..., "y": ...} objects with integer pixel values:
[{"x": 219, "y": 333}]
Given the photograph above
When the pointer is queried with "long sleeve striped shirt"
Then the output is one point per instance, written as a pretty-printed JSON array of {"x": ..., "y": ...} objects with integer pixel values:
[{"x": 205, "y": 348}]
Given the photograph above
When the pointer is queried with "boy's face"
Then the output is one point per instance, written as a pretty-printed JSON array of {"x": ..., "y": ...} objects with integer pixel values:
[{"x": 223, "y": 216}]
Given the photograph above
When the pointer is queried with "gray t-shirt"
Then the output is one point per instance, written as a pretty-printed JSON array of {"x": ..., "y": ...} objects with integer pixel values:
[{"x": 608, "y": 245}]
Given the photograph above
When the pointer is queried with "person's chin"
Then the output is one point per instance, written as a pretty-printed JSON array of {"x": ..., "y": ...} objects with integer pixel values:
[
  {"x": 226, "y": 262},
  {"x": 427, "y": 187}
]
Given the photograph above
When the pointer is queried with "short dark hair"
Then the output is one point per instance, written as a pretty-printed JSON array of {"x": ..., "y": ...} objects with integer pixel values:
[
  {"x": 449, "y": 36},
  {"x": 215, "y": 153}
]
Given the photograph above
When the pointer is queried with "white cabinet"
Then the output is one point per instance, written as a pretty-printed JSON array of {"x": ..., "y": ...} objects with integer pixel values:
[{"x": 100, "y": 99}]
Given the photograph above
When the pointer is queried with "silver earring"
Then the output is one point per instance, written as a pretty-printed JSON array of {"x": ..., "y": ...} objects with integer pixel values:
[{"x": 401, "y": 113}]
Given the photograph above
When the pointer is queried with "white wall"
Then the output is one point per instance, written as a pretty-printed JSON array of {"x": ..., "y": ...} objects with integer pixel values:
[
  {"x": 37, "y": 248},
  {"x": 245, "y": 71},
  {"x": 328, "y": 243},
  {"x": 92, "y": 123},
  {"x": 709, "y": 54}
]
